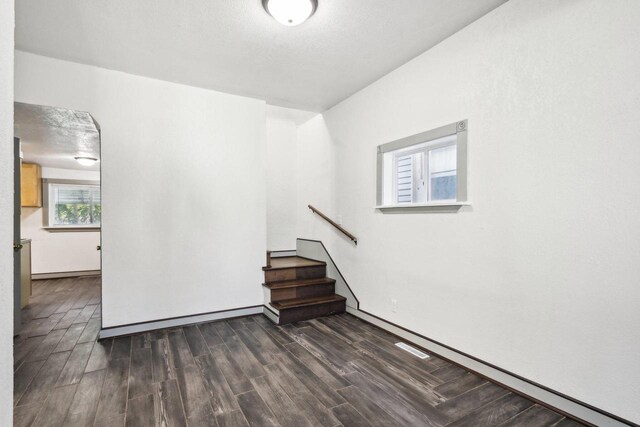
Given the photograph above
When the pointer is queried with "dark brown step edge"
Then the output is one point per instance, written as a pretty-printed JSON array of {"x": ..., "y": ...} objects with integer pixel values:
[
  {"x": 306, "y": 302},
  {"x": 299, "y": 283},
  {"x": 317, "y": 264}
]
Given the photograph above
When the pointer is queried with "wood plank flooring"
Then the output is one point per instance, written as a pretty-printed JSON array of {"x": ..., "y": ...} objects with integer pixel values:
[{"x": 241, "y": 372}]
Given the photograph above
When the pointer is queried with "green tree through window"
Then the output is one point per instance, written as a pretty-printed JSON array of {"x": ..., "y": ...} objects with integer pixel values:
[{"x": 76, "y": 205}]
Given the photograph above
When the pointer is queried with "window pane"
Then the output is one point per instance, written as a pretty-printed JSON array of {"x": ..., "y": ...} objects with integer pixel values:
[
  {"x": 443, "y": 159},
  {"x": 442, "y": 173},
  {"x": 443, "y": 187},
  {"x": 97, "y": 214},
  {"x": 76, "y": 205},
  {"x": 97, "y": 207}
]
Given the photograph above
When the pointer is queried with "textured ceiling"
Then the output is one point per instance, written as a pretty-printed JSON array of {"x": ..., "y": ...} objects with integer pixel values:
[
  {"x": 234, "y": 46},
  {"x": 52, "y": 136}
]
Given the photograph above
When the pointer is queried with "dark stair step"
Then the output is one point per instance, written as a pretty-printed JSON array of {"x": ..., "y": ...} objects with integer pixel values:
[
  {"x": 297, "y": 309},
  {"x": 292, "y": 262},
  {"x": 294, "y": 268},
  {"x": 296, "y": 289},
  {"x": 284, "y": 284}
]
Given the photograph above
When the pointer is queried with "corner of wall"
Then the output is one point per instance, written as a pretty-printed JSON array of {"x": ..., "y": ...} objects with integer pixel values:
[{"x": 7, "y": 24}]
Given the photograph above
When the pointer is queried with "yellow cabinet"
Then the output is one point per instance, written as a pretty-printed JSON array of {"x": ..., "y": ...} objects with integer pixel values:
[{"x": 31, "y": 185}]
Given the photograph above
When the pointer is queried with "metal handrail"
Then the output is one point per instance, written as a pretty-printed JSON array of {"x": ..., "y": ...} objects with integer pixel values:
[{"x": 335, "y": 224}]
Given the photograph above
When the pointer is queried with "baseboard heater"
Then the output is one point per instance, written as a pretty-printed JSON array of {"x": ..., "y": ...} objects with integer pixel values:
[{"x": 172, "y": 322}]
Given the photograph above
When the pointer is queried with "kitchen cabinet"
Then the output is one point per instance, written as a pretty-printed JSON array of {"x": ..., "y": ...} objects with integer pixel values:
[{"x": 31, "y": 185}]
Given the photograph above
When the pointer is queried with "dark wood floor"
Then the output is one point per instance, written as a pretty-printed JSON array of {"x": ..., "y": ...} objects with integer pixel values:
[{"x": 325, "y": 372}]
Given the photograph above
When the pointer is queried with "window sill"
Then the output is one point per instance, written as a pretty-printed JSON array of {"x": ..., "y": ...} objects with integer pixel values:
[
  {"x": 70, "y": 229},
  {"x": 426, "y": 207}
]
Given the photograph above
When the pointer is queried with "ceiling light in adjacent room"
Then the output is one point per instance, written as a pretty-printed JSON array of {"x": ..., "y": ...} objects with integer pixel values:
[
  {"x": 290, "y": 12},
  {"x": 86, "y": 161}
]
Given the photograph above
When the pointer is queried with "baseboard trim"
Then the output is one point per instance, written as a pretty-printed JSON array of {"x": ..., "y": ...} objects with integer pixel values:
[
  {"x": 541, "y": 394},
  {"x": 172, "y": 322},
  {"x": 63, "y": 274},
  {"x": 270, "y": 314}
]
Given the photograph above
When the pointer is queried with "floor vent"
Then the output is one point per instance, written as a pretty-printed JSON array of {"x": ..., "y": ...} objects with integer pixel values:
[{"x": 412, "y": 350}]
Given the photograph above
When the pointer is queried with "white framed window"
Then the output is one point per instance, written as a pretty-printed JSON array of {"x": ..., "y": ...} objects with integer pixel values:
[
  {"x": 427, "y": 169},
  {"x": 72, "y": 204}
]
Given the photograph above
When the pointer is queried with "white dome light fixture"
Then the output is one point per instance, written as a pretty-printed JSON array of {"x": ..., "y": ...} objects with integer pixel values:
[
  {"x": 290, "y": 12},
  {"x": 86, "y": 161}
]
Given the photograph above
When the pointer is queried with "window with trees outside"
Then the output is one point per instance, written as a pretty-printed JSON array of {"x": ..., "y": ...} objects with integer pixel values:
[{"x": 73, "y": 205}]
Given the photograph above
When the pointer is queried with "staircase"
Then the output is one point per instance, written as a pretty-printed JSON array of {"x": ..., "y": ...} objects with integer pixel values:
[{"x": 300, "y": 290}]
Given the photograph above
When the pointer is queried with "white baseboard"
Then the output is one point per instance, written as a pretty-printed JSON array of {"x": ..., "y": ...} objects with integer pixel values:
[
  {"x": 136, "y": 328},
  {"x": 63, "y": 274},
  {"x": 536, "y": 392},
  {"x": 271, "y": 315}
]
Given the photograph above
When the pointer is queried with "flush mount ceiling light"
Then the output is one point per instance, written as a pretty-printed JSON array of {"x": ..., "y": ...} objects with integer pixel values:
[
  {"x": 86, "y": 161},
  {"x": 290, "y": 12}
]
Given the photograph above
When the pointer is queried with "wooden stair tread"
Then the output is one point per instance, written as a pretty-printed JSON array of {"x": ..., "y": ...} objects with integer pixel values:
[
  {"x": 303, "y": 302},
  {"x": 299, "y": 283},
  {"x": 300, "y": 289},
  {"x": 292, "y": 262}
]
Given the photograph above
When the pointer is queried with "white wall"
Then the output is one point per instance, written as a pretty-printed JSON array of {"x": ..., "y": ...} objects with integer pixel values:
[
  {"x": 79, "y": 174},
  {"x": 183, "y": 188},
  {"x": 281, "y": 179},
  {"x": 53, "y": 252},
  {"x": 282, "y": 167},
  {"x": 315, "y": 183},
  {"x": 540, "y": 275},
  {"x": 6, "y": 211}
]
